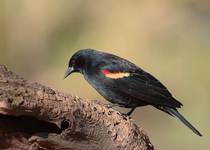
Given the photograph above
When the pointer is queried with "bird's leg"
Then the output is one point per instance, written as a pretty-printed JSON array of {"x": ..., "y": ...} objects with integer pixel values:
[{"x": 130, "y": 112}]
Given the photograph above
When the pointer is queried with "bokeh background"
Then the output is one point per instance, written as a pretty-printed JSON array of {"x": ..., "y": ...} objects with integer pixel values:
[{"x": 170, "y": 39}]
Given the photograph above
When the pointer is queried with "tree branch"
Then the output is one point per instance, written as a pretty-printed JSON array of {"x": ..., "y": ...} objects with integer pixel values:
[{"x": 33, "y": 116}]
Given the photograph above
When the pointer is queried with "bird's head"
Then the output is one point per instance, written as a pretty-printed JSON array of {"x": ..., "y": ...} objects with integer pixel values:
[{"x": 79, "y": 61}]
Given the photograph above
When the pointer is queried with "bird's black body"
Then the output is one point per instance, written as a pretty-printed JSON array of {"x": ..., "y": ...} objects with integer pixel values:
[{"x": 122, "y": 82}]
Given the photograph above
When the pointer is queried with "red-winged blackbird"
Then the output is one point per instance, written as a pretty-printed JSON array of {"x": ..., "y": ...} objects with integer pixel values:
[{"x": 123, "y": 83}]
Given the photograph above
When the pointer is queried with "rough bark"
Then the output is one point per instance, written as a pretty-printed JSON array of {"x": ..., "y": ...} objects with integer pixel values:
[{"x": 33, "y": 116}]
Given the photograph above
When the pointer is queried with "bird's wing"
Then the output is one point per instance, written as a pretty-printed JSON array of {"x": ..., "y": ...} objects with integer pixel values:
[{"x": 132, "y": 80}]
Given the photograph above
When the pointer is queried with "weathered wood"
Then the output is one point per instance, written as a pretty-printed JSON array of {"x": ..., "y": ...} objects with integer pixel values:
[{"x": 34, "y": 116}]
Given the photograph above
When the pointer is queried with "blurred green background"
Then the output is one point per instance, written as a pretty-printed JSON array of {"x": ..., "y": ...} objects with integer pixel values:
[{"x": 170, "y": 39}]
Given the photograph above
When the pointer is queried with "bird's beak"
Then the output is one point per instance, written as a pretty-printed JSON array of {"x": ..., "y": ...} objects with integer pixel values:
[{"x": 68, "y": 72}]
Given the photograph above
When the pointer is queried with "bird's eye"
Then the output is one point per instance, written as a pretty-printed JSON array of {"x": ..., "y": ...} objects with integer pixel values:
[
  {"x": 80, "y": 62},
  {"x": 77, "y": 63},
  {"x": 72, "y": 62}
]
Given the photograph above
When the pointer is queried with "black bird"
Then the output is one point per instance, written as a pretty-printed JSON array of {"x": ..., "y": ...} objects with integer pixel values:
[{"x": 123, "y": 83}]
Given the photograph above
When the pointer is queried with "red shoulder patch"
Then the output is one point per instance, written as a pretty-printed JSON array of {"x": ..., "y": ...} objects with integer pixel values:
[
  {"x": 105, "y": 71},
  {"x": 115, "y": 75}
]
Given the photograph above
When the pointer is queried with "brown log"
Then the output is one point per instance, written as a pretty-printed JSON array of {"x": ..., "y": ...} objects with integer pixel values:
[{"x": 33, "y": 116}]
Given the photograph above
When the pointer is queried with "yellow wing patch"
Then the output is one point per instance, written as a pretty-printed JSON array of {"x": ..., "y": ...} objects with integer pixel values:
[{"x": 115, "y": 75}]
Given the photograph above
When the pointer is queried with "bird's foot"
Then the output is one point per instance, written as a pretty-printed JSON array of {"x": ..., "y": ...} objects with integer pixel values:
[{"x": 126, "y": 115}]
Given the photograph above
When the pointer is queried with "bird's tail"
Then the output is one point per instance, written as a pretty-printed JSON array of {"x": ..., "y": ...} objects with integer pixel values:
[{"x": 175, "y": 113}]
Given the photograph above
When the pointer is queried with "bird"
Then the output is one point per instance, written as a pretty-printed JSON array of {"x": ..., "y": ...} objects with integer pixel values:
[{"x": 123, "y": 83}]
